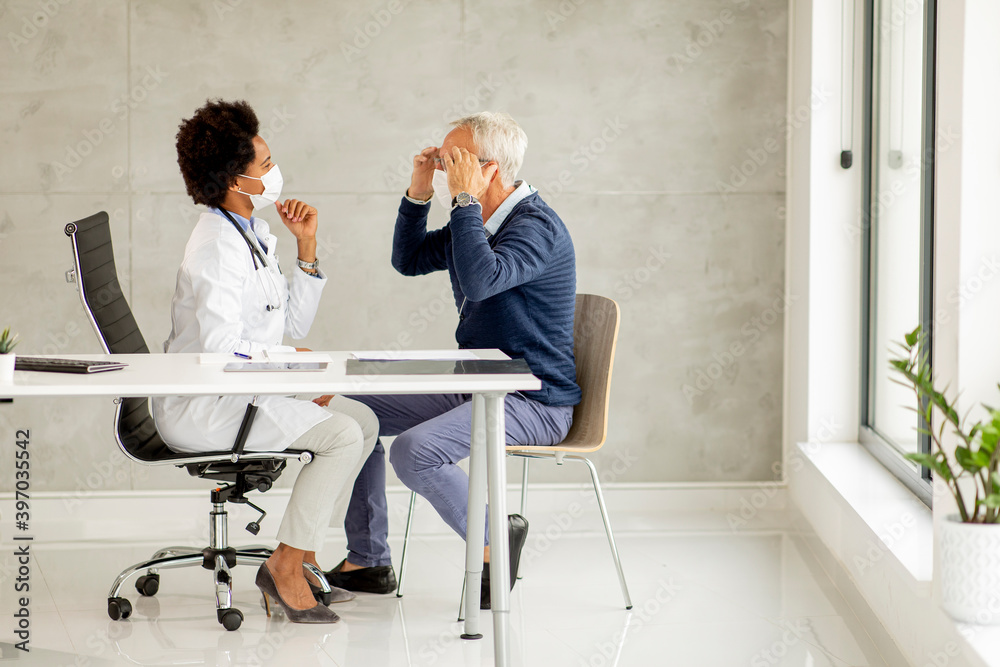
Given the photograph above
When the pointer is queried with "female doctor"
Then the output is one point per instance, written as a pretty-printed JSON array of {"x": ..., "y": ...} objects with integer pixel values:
[{"x": 232, "y": 297}]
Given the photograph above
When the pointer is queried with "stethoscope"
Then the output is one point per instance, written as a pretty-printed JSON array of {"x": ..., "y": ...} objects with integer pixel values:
[{"x": 256, "y": 253}]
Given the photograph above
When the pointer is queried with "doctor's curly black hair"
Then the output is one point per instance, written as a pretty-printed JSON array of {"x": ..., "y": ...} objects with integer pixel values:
[{"x": 214, "y": 147}]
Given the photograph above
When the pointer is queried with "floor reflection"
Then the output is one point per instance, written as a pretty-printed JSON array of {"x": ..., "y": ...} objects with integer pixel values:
[{"x": 704, "y": 595}]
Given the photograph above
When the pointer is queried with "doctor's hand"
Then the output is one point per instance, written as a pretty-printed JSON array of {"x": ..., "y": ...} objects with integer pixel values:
[
  {"x": 466, "y": 173},
  {"x": 300, "y": 218},
  {"x": 421, "y": 182},
  {"x": 323, "y": 401}
]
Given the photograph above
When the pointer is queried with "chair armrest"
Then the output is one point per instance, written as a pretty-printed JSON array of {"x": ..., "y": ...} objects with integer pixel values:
[{"x": 244, "y": 432}]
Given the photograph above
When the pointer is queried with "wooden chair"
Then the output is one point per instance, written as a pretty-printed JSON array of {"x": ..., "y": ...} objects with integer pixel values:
[{"x": 595, "y": 335}]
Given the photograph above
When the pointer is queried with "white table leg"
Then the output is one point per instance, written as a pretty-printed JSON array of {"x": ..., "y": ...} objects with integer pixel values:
[
  {"x": 496, "y": 459},
  {"x": 475, "y": 517}
]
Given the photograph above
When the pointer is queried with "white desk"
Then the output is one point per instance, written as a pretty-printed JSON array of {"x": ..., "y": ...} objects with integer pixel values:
[{"x": 184, "y": 375}]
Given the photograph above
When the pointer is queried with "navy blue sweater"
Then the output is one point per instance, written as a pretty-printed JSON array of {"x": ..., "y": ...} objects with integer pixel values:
[{"x": 515, "y": 291}]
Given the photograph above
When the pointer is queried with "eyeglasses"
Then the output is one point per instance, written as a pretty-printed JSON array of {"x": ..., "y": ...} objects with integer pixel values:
[{"x": 439, "y": 162}]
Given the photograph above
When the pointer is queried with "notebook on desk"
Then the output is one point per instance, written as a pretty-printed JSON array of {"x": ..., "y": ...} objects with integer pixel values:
[{"x": 52, "y": 365}]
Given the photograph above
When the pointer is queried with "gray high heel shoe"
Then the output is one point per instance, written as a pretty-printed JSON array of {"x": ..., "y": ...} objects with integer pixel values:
[{"x": 318, "y": 614}]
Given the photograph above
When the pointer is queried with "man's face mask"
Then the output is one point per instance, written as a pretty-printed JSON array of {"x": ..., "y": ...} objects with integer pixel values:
[{"x": 441, "y": 192}]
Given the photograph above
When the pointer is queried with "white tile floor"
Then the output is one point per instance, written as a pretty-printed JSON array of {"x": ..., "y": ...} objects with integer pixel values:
[{"x": 704, "y": 596}]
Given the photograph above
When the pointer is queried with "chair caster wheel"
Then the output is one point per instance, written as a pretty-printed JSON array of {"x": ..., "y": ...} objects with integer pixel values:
[
  {"x": 231, "y": 619},
  {"x": 119, "y": 608},
  {"x": 148, "y": 584}
]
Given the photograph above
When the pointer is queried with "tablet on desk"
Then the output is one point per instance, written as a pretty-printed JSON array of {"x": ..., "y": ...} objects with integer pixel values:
[{"x": 255, "y": 367}]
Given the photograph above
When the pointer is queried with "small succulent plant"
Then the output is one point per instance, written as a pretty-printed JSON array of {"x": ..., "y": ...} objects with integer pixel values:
[{"x": 7, "y": 341}]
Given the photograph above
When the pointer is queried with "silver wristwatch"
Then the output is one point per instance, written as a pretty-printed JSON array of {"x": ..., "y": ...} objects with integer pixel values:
[
  {"x": 464, "y": 199},
  {"x": 308, "y": 265}
]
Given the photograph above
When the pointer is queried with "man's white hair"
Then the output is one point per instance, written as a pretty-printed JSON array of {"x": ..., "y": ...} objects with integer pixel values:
[{"x": 499, "y": 138}]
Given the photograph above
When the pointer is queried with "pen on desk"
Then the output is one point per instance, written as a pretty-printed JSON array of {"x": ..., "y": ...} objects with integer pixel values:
[{"x": 242, "y": 356}]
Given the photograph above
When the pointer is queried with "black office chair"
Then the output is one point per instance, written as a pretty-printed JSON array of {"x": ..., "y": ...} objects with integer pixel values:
[{"x": 135, "y": 432}]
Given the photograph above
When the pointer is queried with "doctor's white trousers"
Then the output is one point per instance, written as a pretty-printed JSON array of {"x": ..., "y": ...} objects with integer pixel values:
[{"x": 340, "y": 446}]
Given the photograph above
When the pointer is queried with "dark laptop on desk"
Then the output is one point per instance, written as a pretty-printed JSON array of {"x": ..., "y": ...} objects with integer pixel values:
[{"x": 52, "y": 365}]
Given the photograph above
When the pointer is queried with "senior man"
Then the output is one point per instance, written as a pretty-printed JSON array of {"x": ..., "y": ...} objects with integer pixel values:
[{"x": 513, "y": 272}]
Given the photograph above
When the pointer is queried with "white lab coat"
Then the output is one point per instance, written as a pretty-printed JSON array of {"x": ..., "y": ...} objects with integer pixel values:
[{"x": 220, "y": 305}]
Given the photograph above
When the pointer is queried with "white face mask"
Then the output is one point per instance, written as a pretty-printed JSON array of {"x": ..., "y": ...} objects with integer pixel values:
[
  {"x": 441, "y": 192},
  {"x": 272, "y": 182}
]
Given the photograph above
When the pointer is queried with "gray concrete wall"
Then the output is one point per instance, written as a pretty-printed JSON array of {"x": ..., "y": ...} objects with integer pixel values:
[{"x": 656, "y": 130}]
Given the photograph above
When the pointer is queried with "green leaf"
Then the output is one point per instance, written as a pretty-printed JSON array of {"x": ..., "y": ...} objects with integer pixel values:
[
  {"x": 995, "y": 480},
  {"x": 935, "y": 462},
  {"x": 913, "y": 337},
  {"x": 971, "y": 461},
  {"x": 992, "y": 500},
  {"x": 926, "y": 460}
]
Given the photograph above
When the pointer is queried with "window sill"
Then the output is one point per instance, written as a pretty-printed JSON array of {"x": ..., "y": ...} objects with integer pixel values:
[
  {"x": 903, "y": 525},
  {"x": 882, "y": 535}
]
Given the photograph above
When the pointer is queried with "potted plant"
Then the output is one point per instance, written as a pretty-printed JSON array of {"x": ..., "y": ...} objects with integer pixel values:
[
  {"x": 7, "y": 343},
  {"x": 968, "y": 542}
]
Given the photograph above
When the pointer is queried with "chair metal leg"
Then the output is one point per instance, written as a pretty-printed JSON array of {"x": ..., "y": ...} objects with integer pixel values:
[
  {"x": 607, "y": 527},
  {"x": 524, "y": 487},
  {"x": 406, "y": 540},
  {"x": 524, "y": 500},
  {"x": 461, "y": 603},
  {"x": 223, "y": 584},
  {"x": 256, "y": 548},
  {"x": 165, "y": 562},
  {"x": 252, "y": 557},
  {"x": 176, "y": 551}
]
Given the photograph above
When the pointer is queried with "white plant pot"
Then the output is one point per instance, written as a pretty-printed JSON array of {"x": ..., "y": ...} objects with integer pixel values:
[
  {"x": 6, "y": 369},
  {"x": 970, "y": 571}
]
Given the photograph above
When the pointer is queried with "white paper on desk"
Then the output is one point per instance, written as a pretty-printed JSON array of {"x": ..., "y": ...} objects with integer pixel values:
[
  {"x": 273, "y": 357},
  {"x": 408, "y": 355}
]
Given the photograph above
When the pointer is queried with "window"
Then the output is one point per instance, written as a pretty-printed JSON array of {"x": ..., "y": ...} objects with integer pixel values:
[{"x": 898, "y": 241}]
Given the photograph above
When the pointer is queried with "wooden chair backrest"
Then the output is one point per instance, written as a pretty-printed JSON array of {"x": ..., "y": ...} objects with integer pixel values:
[{"x": 595, "y": 335}]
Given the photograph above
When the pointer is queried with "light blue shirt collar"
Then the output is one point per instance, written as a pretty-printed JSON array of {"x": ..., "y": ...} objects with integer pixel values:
[
  {"x": 244, "y": 224},
  {"x": 507, "y": 205}
]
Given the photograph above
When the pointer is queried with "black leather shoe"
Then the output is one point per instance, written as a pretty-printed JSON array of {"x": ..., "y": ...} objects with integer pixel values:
[
  {"x": 517, "y": 535},
  {"x": 380, "y": 579}
]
